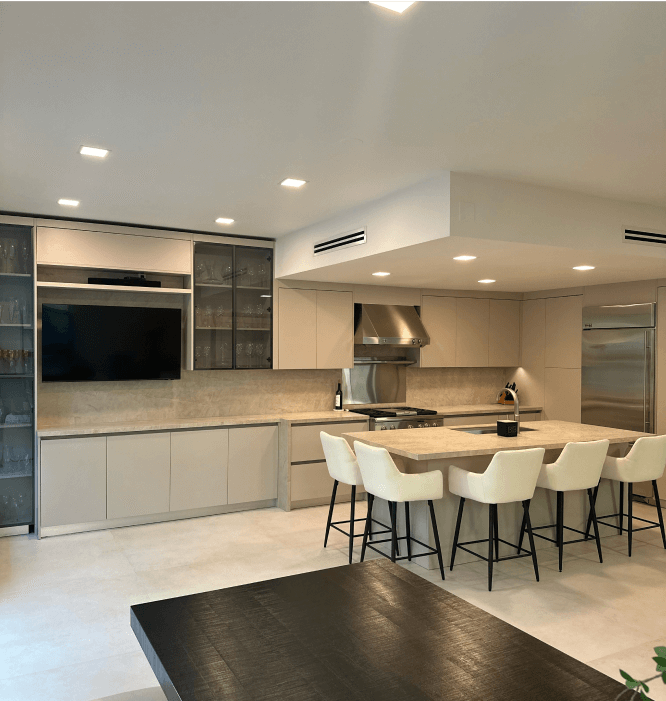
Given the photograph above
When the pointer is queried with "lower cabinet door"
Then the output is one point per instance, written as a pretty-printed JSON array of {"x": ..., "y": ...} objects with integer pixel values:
[
  {"x": 199, "y": 462},
  {"x": 312, "y": 481},
  {"x": 137, "y": 478},
  {"x": 73, "y": 480},
  {"x": 253, "y": 459}
]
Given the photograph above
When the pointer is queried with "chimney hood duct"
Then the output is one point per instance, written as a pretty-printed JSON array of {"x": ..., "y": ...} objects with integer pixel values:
[{"x": 388, "y": 325}]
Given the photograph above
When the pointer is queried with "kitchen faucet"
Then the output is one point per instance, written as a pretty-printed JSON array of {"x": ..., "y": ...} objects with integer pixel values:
[{"x": 516, "y": 405}]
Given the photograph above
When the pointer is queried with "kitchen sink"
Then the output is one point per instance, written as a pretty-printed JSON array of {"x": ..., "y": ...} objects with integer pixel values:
[{"x": 483, "y": 430}]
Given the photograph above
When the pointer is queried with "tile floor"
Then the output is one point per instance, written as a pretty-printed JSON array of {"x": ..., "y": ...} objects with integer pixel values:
[{"x": 64, "y": 601}]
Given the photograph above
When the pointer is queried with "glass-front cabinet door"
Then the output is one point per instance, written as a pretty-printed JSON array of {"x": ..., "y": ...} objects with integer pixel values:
[
  {"x": 233, "y": 288},
  {"x": 17, "y": 354}
]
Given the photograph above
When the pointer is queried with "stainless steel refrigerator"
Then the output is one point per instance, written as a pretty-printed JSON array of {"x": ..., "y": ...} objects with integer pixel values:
[{"x": 618, "y": 368}]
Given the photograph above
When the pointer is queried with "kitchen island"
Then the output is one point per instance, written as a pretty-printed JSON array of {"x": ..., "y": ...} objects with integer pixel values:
[{"x": 438, "y": 448}]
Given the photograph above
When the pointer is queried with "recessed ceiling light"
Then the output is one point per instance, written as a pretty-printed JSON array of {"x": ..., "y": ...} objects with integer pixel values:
[
  {"x": 293, "y": 182},
  {"x": 222, "y": 220},
  {"x": 381, "y": 274},
  {"x": 395, "y": 6},
  {"x": 91, "y": 151},
  {"x": 583, "y": 267},
  {"x": 69, "y": 203},
  {"x": 465, "y": 258},
  {"x": 487, "y": 282}
]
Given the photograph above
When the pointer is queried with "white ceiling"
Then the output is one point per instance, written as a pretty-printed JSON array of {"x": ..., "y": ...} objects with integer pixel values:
[
  {"x": 206, "y": 107},
  {"x": 516, "y": 267}
]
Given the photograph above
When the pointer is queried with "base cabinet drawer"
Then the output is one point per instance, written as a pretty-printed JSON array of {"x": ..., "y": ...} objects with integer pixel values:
[
  {"x": 253, "y": 463},
  {"x": 73, "y": 480},
  {"x": 138, "y": 474},
  {"x": 306, "y": 441},
  {"x": 199, "y": 461},
  {"x": 312, "y": 481}
]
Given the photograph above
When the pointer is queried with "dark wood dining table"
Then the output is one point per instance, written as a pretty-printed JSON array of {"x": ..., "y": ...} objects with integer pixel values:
[{"x": 368, "y": 631}]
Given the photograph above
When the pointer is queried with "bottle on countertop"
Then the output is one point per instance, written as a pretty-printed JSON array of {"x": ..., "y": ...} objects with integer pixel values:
[{"x": 338, "y": 399}]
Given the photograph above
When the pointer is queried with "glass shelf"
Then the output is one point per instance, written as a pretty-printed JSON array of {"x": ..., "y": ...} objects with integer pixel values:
[
  {"x": 3, "y": 426},
  {"x": 214, "y": 284},
  {"x": 24, "y": 275},
  {"x": 20, "y": 326}
]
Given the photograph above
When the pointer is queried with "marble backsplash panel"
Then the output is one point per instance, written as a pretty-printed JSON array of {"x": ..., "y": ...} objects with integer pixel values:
[{"x": 214, "y": 393}]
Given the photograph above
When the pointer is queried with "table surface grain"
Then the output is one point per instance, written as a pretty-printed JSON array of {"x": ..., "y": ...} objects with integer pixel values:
[{"x": 368, "y": 631}]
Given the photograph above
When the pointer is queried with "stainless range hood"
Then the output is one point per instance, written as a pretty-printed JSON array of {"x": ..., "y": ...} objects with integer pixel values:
[{"x": 388, "y": 325}]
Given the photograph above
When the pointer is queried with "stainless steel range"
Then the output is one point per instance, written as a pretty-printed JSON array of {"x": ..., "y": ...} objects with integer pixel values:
[{"x": 392, "y": 418}]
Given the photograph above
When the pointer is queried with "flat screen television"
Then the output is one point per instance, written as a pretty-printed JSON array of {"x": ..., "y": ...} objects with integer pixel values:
[{"x": 86, "y": 343}]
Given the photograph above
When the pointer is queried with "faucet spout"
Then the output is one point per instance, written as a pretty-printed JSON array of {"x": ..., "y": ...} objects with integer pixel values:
[{"x": 516, "y": 404}]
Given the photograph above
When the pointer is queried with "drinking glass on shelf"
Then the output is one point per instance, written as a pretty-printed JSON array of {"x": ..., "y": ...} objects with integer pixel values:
[
  {"x": 206, "y": 355},
  {"x": 12, "y": 257},
  {"x": 219, "y": 317},
  {"x": 260, "y": 313},
  {"x": 259, "y": 353},
  {"x": 25, "y": 256},
  {"x": 197, "y": 354},
  {"x": 251, "y": 275},
  {"x": 240, "y": 349},
  {"x": 249, "y": 351},
  {"x": 208, "y": 317},
  {"x": 263, "y": 274},
  {"x": 227, "y": 273},
  {"x": 200, "y": 271},
  {"x": 198, "y": 316}
]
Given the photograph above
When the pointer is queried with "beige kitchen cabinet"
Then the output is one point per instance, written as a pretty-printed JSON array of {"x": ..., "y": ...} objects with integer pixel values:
[
  {"x": 564, "y": 332},
  {"x": 472, "y": 327},
  {"x": 311, "y": 481},
  {"x": 199, "y": 461},
  {"x": 562, "y": 390},
  {"x": 440, "y": 320},
  {"x": 138, "y": 474},
  {"x": 73, "y": 480},
  {"x": 306, "y": 441},
  {"x": 253, "y": 461},
  {"x": 297, "y": 329},
  {"x": 95, "y": 249},
  {"x": 335, "y": 329},
  {"x": 504, "y": 333}
]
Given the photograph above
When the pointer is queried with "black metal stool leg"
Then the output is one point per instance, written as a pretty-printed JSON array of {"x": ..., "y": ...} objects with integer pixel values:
[
  {"x": 408, "y": 529},
  {"x": 436, "y": 534},
  {"x": 593, "y": 516},
  {"x": 456, "y": 535},
  {"x": 522, "y": 531},
  {"x": 491, "y": 537},
  {"x": 351, "y": 523},
  {"x": 589, "y": 516},
  {"x": 330, "y": 511},
  {"x": 661, "y": 517},
  {"x": 560, "y": 525},
  {"x": 528, "y": 526},
  {"x": 621, "y": 506},
  {"x": 368, "y": 521},
  {"x": 393, "y": 514},
  {"x": 496, "y": 537},
  {"x": 630, "y": 515},
  {"x": 394, "y": 530}
]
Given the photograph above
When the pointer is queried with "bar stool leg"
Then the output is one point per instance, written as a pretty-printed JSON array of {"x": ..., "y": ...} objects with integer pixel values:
[
  {"x": 351, "y": 522},
  {"x": 457, "y": 533},
  {"x": 409, "y": 534},
  {"x": 630, "y": 515},
  {"x": 368, "y": 521},
  {"x": 523, "y": 525},
  {"x": 621, "y": 506},
  {"x": 661, "y": 517},
  {"x": 436, "y": 534},
  {"x": 589, "y": 516},
  {"x": 593, "y": 516},
  {"x": 394, "y": 530},
  {"x": 528, "y": 526},
  {"x": 491, "y": 534},
  {"x": 393, "y": 514},
  {"x": 560, "y": 525},
  {"x": 496, "y": 536},
  {"x": 330, "y": 511}
]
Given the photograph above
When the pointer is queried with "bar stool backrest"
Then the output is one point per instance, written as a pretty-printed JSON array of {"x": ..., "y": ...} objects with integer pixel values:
[
  {"x": 381, "y": 477},
  {"x": 512, "y": 475},
  {"x": 647, "y": 459},
  {"x": 340, "y": 460},
  {"x": 579, "y": 466}
]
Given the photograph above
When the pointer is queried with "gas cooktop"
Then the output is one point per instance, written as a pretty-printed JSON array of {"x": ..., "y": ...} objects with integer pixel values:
[{"x": 393, "y": 412}]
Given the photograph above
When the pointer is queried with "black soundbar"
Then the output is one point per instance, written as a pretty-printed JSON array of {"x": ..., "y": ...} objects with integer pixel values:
[{"x": 127, "y": 281}]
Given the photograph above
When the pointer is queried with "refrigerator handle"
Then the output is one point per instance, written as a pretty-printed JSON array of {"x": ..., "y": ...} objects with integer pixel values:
[{"x": 648, "y": 387}]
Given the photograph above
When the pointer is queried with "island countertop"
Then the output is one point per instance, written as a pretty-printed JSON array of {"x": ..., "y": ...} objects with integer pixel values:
[{"x": 442, "y": 443}]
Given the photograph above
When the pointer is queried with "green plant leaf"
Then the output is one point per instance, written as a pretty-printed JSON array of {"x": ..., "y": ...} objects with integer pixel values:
[
  {"x": 663, "y": 677},
  {"x": 661, "y": 663},
  {"x": 628, "y": 677},
  {"x": 645, "y": 687},
  {"x": 661, "y": 651},
  {"x": 644, "y": 697}
]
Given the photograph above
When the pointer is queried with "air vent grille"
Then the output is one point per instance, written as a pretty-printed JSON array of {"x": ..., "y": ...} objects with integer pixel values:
[
  {"x": 638, "y": 236},
  {"x": 335, "y": 243}
]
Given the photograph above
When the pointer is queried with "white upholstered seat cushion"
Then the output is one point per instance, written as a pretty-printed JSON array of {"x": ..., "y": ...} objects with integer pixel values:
[
  {"x": 645, "y": 462},
  {"x": 578, "y": 467},
  {"x": 382, "y": 478},
  {"x": 510, "y": 476},
  {"x": 340, "y": 460}
]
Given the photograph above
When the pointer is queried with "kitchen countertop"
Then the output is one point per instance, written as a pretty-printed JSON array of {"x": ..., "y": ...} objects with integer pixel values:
[
  {"x": 442, "y": 443},
  {"x": 52, "y": 431}
]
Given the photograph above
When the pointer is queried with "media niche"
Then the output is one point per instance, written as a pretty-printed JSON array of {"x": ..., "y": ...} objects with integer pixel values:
[{"x": 91, "y": 343}]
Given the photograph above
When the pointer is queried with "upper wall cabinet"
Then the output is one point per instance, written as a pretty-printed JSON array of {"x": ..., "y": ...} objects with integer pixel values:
[
  {"x": 564, "y": 331},
  {"x": 316, "y": 329},
  {"x": 94, "y": 249},
  {"x": 467, "y": 332}
]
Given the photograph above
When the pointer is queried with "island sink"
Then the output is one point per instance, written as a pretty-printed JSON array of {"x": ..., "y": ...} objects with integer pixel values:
[{"x": 483, "y": 430}]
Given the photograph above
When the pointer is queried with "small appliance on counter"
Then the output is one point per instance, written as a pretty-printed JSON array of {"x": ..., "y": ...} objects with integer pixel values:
[{"x": 507, "y": 429}]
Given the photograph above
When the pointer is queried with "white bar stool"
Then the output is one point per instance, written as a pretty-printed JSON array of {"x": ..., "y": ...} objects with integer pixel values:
[
  {"x": 342, "y": 467},
  {"x": 645, "y": 462},
  {"x": 578, "y": 467},
  {"x": 382, "y": 479},
  {"x": 511, "y": 476}
]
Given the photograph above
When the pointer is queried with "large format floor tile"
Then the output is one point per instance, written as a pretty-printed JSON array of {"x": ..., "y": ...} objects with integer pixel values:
[{"x": 64, "y": 601}]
